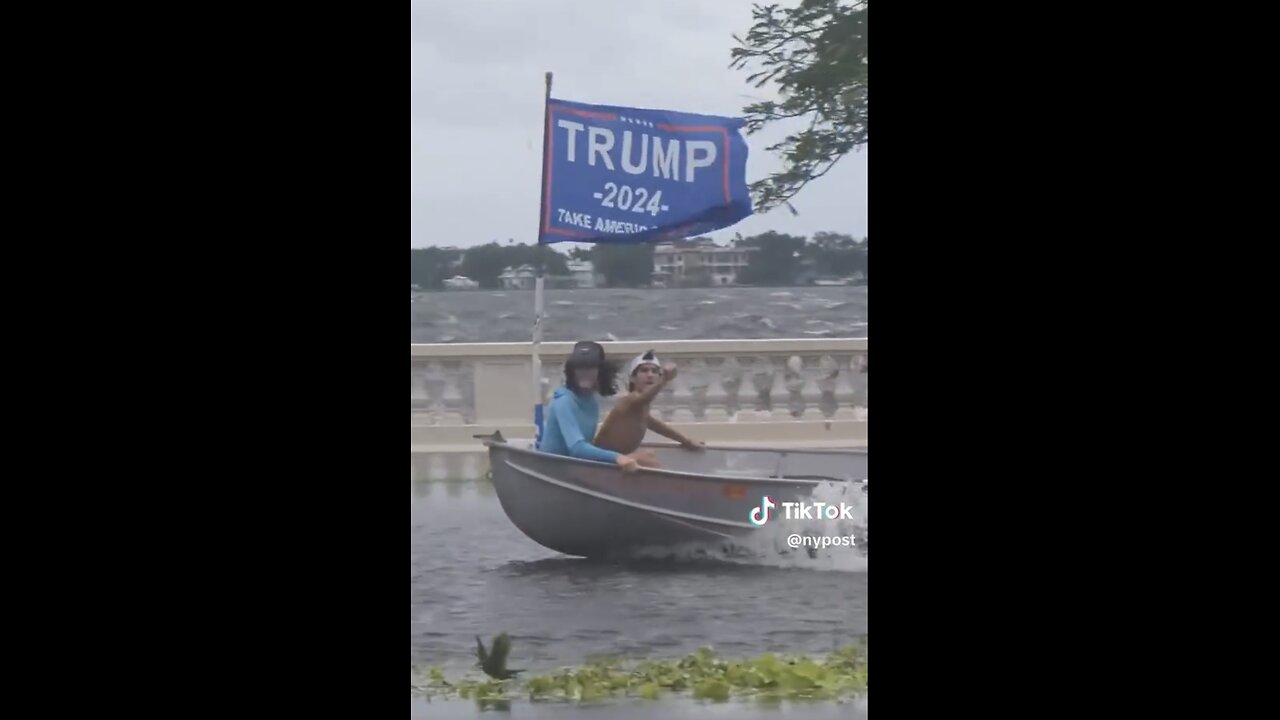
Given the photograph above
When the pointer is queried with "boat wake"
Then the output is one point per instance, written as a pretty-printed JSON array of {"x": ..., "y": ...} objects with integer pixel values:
[{"x": 771, "y": 545}]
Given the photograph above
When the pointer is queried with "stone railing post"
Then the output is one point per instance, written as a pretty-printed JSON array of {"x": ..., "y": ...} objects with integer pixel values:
[{"x": 783, "y": 390}]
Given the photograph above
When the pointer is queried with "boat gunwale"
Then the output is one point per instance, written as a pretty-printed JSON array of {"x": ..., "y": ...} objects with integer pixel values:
[
  {"x": 778, "y": 450},
  {"x": 682, "y": 474}
]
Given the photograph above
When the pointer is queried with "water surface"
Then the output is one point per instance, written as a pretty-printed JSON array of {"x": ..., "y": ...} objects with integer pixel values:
[
  {"x": 676, "y": 314},
  {"x": 473, "y": 573}
]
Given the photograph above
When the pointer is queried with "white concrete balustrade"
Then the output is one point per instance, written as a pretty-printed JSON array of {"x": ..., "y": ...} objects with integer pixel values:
[{"x": 775, "y": 392}]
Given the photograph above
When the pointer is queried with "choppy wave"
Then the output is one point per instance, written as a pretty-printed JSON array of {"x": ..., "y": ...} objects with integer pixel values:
[
  {"x": 770, "y": 547},
  {"x": 676, "y": 314}
]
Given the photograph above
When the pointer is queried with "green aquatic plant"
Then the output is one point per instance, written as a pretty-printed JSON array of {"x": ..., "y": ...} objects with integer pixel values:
[
  {"x": 494, "y": 661},
  {"x": 768, "y": 678}
]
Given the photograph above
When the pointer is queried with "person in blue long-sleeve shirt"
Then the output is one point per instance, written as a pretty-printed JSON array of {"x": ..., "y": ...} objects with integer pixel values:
[{"x": 574, "y": 412}]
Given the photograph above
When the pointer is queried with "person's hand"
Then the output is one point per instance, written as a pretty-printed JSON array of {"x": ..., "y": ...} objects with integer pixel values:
[
  {"x": 628, "y": 463},
  {"x": 646, "y": 457},
  {"x": 668, "y": 373},
  {"x": 696, "y": 445}
]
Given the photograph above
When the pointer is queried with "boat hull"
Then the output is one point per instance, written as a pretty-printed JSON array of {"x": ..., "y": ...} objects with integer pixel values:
[{"x": 590, "y": 509}]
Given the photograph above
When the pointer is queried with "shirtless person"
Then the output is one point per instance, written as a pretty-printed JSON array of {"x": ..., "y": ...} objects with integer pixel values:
[
  {"x": 571, "y": 418},
  {"x": 624, "y": 428}
]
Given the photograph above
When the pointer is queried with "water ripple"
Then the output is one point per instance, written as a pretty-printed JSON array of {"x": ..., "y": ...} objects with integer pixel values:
[
  {"x": 472, "y": 573},
  {"x": 676, "y": 314}
]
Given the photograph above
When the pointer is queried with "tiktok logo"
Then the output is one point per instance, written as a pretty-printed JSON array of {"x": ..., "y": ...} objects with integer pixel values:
[{"x": 760, "y": 515}]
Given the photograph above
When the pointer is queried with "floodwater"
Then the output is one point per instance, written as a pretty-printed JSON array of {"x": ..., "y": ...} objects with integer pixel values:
[
  {"x": 675, "y": 314},
  {"x": 473, "y": 573}
]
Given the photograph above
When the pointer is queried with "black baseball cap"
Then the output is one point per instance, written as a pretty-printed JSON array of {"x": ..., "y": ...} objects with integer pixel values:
[{"x": 586, "y": 354}]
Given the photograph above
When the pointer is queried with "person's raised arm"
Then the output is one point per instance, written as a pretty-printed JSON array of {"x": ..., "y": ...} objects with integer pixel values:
[{"x": 651, "y": 392}]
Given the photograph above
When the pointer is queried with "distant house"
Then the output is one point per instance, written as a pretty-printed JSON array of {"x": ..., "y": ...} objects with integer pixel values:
[
  {"x": 460, "y": 282},
  {"x": 521, "y": 278},
  {"x": 584, "y": 274},
  {"x": 699, "y": 263}
]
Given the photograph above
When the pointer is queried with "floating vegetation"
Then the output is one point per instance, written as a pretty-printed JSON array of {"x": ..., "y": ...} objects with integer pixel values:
[{"x": 768, "y": 678}]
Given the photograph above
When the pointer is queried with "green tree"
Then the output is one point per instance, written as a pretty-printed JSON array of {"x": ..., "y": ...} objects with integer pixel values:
[
  {"x": 777, "y": 262},
  {"x": 428, "y": 267},
  {"x": 835, "y": 254},
  {"x": 554, "y": 263},
  {"x": 624, "y": 265},
  {"x": 485, "y": 263},
  {"x": 816, "y": 54}
]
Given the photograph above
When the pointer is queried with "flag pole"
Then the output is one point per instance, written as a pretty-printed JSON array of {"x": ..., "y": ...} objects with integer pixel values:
[{"x": 537, "y": 283}]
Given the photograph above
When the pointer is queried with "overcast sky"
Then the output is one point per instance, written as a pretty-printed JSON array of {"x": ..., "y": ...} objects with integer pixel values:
[{"x": 477, "y": 95}]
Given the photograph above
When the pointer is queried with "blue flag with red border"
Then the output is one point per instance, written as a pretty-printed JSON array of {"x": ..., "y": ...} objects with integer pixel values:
[{"x": 631, "y": 175}]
